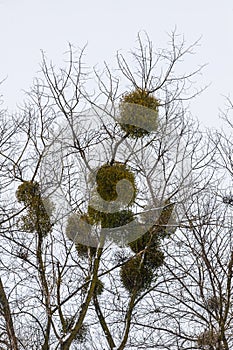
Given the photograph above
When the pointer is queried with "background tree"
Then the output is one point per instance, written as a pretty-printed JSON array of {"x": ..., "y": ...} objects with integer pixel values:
[{"x": 69, "y": 286}]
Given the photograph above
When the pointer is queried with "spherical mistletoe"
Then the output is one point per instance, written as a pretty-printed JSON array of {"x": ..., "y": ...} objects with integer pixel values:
[
  {"x": 99, "y": 287},
  {"x": 27, "y": 192},
  {"x": 37, "y": 218},
  {"x": 154, "y": 258},
  {"x": 135, "y": 275},
  {"x": 107, "y": 178},
  {"x": 138, "y": 113},
  {"x": 150, "y": 245},
  {"x": 143, "y": 241},
  {"x": 111, "y": 220},
  {"x": 84, "y": 250}
]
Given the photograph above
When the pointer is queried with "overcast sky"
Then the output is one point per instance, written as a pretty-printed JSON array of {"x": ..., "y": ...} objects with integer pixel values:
[{"x": 27, "y": 26}]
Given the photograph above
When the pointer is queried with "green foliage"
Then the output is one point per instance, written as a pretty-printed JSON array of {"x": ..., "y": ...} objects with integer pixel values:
[
  {"x": 149, "y": 244},
  {"x": 27, "y": 192},
  {"x": 38, "y": 209},
  {"x": 138, "y": 272},
  {"x": 107, "y": 178},
  {"x": 99, "y": 287},
  {"x": 84, "y": 250},
  {"x": 95, "y": 215},
  {"x": 117, "y": 219},
  {"x": 135, "y": 275},
  {"x": 153, "y": 258},
  {"x": 110, "y": 220},
  {"x": 132, "y": 114},
  {"x": 143, "y": 241}
]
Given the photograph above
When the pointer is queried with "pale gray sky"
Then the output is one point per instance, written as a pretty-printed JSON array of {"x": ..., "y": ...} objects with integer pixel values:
[{"x": 26, "y": 26}]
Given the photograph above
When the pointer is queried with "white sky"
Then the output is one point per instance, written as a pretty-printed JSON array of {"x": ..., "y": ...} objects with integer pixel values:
[{"x": 26, "y": 26}]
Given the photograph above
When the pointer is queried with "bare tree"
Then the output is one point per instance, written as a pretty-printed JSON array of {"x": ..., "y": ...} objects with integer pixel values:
[
  {"x": 195, "y": 296},
  {"x": 69, "y": 286}
]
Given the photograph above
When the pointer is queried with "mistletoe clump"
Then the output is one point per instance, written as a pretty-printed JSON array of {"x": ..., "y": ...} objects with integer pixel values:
[
  {"x": 154, "y": 258},
  {"x": 79, "y": 227},
  {"x": 111, "y": 220},
  {"x": 84, "y": 250},
  {"x": 138, "y": 107},
  {"x": 138, "y": 271},
  {"x": 107, "y": 178},
  {"x": 99, "y": 287},
  {"x": 117, "y": 219},
  {"x": 37, "y": 218},
  {"x": 148, "y": 244},
  {"x": 140, "y": 243},
  {"x": 135, "y": 275}
]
